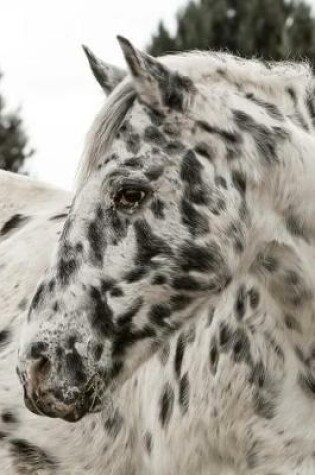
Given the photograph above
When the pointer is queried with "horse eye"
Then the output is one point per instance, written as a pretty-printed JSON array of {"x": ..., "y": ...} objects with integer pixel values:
[{"x": 129, "y": 198}]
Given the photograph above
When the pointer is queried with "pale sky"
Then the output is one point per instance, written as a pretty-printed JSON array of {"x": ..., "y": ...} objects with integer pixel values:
[{"x": 47, "y": 75}]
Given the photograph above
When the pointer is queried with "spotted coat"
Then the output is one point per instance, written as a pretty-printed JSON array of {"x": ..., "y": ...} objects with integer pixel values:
[{"x": 174, "y": 321}]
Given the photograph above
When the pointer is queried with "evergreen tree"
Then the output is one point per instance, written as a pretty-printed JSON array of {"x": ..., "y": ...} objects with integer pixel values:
[
  {"x": 13, "y": 141},
  {"x": 271, "y": 29}
]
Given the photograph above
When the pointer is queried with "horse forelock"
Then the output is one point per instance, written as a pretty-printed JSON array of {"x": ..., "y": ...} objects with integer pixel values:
[{"x": 104, "y": 128}]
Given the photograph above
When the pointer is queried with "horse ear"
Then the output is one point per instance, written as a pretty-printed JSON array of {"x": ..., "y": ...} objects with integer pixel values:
[
  {"x": 107, "y": 75},
  {"x": 156, "y": 85}
]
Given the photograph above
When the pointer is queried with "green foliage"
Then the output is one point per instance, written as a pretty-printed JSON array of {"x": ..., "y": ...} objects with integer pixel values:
[
  {"x": 13, "y": 141},
  {"x": 270, "y": 29}
]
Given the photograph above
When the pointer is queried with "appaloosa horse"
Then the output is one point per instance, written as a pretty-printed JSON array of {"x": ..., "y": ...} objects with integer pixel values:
[{"x": 175, "y": 322}]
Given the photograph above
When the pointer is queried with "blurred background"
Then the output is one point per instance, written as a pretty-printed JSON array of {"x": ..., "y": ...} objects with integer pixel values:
[{"x": 48, "y": 97}]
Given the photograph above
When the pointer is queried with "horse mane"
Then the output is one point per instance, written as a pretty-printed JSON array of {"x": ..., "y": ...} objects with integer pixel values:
[{"x": 271, "y": 78}]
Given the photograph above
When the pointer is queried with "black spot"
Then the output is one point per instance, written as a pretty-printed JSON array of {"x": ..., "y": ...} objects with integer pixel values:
[
  {"x": 95, "y": 239},
  {"x": 292, "y": 323},
  {"x": 172, "y": 128},
  {"x": 220, "y": 206},
  {"x": 270, "y": 108},
  {"x": 107, "y": 284},
  {"x": 225, "y": 336},
  {"x": 210, "y": 316},
  {"x": 307, "y": 383},
  {"x": 98, "y": 351},
  {"x": 295, "y": 226},
  {"x": 198, "y": 195},
  {"x": 220, "y": 181},
  {"x": 116, "y": 292},
  {"x": 196, "y": 222},
  {"x": 310, "y": 103},
  {"x": 265, "y": 137},
  {"x": 192, "y": 257},
  {"x": 214, "y": 356},
  {"x": 254, "y": 456},
  {"x": 241, "y": 347},
  {"x": 28, "y": 458},
  {"x": 75, "y": 368},
  {"x": 274, "y": 345},
  {"x": 154, "y": 135},
  {"x": 292, "y": 94},
  {"x": 136, "y": 274},
  {"x": 240, "y": 304},
  {"x": 38, "y": 296},
  {"x": 184, "y": 392},
  {"x": 203, "y": 149},
  {"x": 127, "y": 317},
  {"x": 239, "y": 181},
  {"x": 15, "y": 222},
  {"x": 127, "y": 335},
  {"x": 258, "y": 375},
  {"x": 230, "y": 137},
  {"x": 117, "y": 224},
  {"x": 299, "y": 119},
  {"x": 191, "y": 174},
  {"x": 179, "y": 355},
  {"x": 268, "y": 262},
  {"x": 116, "y": 369},
  {"x": 5, "y": 339},
  {"x": 174, "y": 147},
  {"x": 134, "y": 162},
  {"x": 51, "y": 285},
  {"x": 243, "y": 211},
  {"x": 264, "y": 405},
  {"x": 159, "y": 279},
  {"x": 180, "y": 302},
  {"x": 191, "y": 169},
  {"x": 174, "y": 88},
  {"x": 159, "y": 313},
  {"x": 166, "y": 404},
  {"x": 157, "y": 208},
  {"x": 67, "y": 263},
  {"x": 58, "y": 216},
  {"x": 157, "y": 118},
  {"x": 186, "y": 282},
  {"x": 113, "y": 424},
  {"x": 254, "y": 298},
  {"x": 292, "y": 278},
  {"x": 190, "y": 333},
  {"x": 154, "y": 173},
  {"x": 132, "y": 141},
  {"x": 38, "y": 349},
  {"x": 101, "y": 314},
  {"x": 148, "y": 244},
  {"x": 148, "y": 443},
  {"x": 8, "y": 417}
]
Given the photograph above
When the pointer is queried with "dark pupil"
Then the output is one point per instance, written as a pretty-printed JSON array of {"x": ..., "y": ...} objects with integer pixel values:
[{"x": 132, "y": 196}]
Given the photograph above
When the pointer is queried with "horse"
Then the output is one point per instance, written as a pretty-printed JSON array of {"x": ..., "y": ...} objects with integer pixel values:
[{"x": 172, "y": 328}]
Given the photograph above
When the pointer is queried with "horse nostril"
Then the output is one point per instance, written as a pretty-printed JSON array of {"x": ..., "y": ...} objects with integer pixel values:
[{"x": 40, "y": 370}]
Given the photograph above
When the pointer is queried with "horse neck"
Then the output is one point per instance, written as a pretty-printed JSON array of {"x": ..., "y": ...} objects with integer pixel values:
[
  {"x": 287, "y": 189},
  {"x": 280, "y": 248}
]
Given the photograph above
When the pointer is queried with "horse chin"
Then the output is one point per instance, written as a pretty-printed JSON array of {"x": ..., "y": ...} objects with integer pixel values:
[{"x": 53, "y": 408}]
